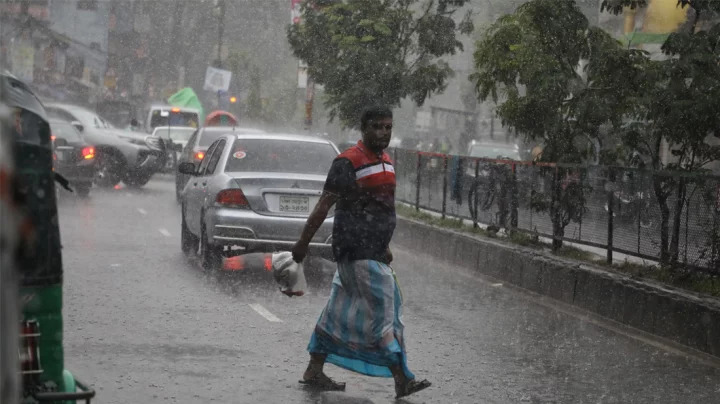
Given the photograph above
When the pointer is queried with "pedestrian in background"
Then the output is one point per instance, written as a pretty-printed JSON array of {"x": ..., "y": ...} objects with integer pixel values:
[{"x": 361, "y": 327}]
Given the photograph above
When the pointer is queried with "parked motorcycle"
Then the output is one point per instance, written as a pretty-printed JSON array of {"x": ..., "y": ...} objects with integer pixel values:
[{"x": 629, "y": 205}]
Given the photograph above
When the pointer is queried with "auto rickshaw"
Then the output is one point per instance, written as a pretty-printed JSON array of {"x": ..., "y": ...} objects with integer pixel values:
[{"x": 38, "y": 258}]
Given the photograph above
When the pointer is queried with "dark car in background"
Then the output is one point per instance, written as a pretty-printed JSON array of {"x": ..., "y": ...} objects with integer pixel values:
[
  {"x": 199, "y": 143},
  {"x": 131, "y": 157},
  {"x": 73, "y": 157}
]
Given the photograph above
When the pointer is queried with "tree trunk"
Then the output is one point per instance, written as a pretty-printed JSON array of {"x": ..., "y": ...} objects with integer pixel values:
[
  {"x": 664, "y": 219},
  {"x": 556, "y": 212},
  {"x": 679, "y": 205}
]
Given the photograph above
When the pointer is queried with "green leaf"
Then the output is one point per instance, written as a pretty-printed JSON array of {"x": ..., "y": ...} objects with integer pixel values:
[
  {"x": 367, "y": 38},
  {"x": 382, "y": 29}
]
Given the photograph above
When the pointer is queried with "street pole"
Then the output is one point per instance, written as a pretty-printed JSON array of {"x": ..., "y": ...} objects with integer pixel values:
[{"x": 221, "y": 26}]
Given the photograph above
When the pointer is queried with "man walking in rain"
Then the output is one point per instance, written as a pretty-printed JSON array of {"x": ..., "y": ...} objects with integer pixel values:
[{"x": 360, "y": 328}]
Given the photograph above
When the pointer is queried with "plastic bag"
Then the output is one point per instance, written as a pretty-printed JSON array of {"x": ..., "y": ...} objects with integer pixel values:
[{"x": 288, "y": 274}]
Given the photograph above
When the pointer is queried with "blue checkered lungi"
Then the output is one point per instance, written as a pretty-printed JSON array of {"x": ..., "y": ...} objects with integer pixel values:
[{"x": 361, "y": 327}]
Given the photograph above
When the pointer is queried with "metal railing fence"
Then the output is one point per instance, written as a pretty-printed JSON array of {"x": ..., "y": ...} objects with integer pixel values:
[{"x": 618, "y": 209}]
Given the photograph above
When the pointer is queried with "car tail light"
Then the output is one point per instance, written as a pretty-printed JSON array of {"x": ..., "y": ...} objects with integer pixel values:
[
  {"x": 53, "y": 137},
  {"x": 199, "y": 155},
  {"x": 232, "y": 198},
  {"x": 88, "y": 153}
]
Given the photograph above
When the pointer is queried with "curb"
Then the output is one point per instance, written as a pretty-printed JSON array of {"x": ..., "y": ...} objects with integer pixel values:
[{"x": 680, "y": 316}]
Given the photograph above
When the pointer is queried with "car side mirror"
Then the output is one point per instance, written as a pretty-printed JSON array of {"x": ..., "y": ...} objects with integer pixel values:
[
  {"x": 78, "y": 125},
  {"x": 186, "y": 168}
]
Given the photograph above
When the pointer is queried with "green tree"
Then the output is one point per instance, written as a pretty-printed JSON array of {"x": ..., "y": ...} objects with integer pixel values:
[
  {"x": 676, "y": 101},
  {"x": 530, "y": 63},
  {"x": 377, "y": 51}
]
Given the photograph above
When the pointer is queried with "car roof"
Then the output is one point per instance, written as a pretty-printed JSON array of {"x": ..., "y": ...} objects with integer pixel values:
[
  {"x": 283, "y": 136},
  {"x": 57, "y": 120},
  {"x": 231, "y": 129},
  {"x": 67, "y": 106},
  {"x": 166, "y": 106},
  {"x": 18, "y": 94},
  {"x": 174, "y": 127}
]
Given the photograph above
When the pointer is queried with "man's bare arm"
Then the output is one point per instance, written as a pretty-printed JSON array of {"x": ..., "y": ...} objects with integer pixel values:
[{"x": 314, "y": 221}]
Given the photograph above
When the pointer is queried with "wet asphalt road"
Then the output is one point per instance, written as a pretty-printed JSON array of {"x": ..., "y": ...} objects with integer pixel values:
[{"x": 143, "y": 324}]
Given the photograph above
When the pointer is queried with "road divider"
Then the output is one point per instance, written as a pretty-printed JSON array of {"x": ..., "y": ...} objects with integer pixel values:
[{"x": 678, "y": 316}]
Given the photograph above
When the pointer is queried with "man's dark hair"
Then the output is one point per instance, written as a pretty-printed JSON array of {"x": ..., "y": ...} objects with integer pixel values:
[{"x": 372, "y": 113}]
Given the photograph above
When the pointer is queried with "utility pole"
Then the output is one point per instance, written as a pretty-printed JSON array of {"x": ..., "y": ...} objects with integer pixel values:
[{"x": 221, "y": 27}]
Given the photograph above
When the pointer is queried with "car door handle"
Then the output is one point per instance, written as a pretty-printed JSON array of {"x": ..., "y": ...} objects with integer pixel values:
[{"x": 204, "y": 184}]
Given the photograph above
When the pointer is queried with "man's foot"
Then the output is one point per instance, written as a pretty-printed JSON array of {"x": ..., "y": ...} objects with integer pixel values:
[
  {"x": 410, "y": 387},
  {"x": 322, "y": 382}
]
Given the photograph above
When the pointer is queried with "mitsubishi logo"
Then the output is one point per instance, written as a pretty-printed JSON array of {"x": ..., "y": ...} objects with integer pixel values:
[{"x": 295, "y": 185}]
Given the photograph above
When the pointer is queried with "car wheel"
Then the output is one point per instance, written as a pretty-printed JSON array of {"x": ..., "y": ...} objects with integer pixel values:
[
  {"x": 210, "y": 255},
  {"x": 178, "y": 191},
  {"x": 83, "y": 190},
  {"x": 188, "y": 241},
  {"x": 138, "y": 180},
  {"x": 110, "y": 170}
]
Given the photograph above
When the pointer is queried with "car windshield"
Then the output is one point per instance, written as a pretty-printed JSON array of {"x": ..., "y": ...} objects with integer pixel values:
[
  {"x": 63, "y": 130},
  {"x": 174, "y": 133},
  {"x": 168, "y": 118},
  {"x": 274, "y": 155},
  {"x": 207, "y": 137},
  {"x": 494, "y": 152},
  {"x": 90, "y": 119}
]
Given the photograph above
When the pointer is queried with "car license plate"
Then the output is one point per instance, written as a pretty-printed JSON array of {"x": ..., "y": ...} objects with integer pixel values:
[{"x": 294, "y": 204}]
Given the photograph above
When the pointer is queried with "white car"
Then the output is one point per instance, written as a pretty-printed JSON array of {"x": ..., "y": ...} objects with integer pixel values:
[{"x": 176, "y": 138}]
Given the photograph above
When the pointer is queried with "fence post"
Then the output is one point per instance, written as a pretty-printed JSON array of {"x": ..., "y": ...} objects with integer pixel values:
[
  {"x": 445, "y": 172},
  {"x": 514, "y": 203},
  {"x": 417, "y": 182},
  {"x": 475, "y": 197},
  {"x": 610, "y": 188}
]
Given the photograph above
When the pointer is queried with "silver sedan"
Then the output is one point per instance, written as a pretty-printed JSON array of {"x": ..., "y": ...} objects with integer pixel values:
[{"x": 255, "y": 192}]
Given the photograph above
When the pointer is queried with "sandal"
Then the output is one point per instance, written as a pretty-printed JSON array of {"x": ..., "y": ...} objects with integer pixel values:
[
  {"x": 322, "y": 382},
  {"x": 411, "y": 387}
]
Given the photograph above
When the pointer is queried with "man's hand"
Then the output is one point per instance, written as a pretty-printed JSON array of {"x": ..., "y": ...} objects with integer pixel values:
[
  {"x": 299, "y": 251},
  {"x": 318, "y": 215},
  {"x": 388, "y": 256}
]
